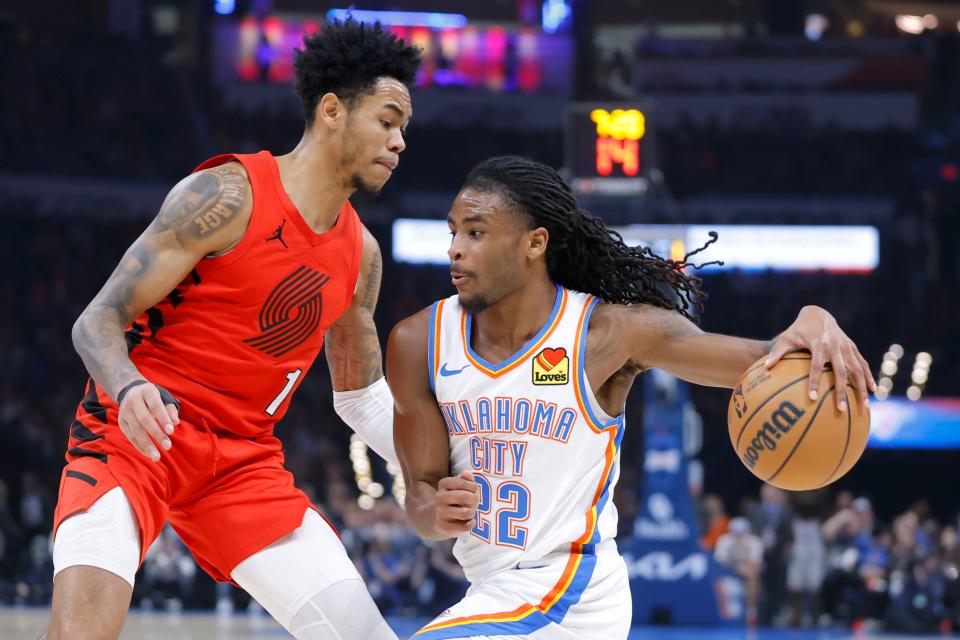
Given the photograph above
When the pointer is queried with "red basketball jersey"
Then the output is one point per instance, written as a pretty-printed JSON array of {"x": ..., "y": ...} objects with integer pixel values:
[{"x": 234, "y": 340}]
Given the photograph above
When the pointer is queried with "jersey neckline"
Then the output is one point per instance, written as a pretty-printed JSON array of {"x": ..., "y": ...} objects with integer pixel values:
[
  {"x": 534, "y": 343},
  {"x": 293, "y": 212}
]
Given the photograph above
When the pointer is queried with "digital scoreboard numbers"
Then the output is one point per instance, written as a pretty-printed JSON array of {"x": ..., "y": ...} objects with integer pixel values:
[{"x": 608, "y": 149}]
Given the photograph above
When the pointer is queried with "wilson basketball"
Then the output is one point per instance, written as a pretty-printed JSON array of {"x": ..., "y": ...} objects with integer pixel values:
[{"x": 788, "y": 440}]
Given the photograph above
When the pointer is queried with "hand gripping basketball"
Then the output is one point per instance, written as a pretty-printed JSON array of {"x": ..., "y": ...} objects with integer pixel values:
[
  {"x": 456, "y": 503},
  {"x": 786, "y": 438},
  {"x": 144, "y": 407},
  {"x": 817, "y": 331}
]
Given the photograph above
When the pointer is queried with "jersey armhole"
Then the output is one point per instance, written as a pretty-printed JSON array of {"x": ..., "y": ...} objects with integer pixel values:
[
  {"x": 433, "y": 344},
  {"x": 598, "y": 419}
]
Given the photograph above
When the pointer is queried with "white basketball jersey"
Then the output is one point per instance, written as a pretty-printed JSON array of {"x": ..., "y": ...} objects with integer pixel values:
[{"x": 530, "y": 429}]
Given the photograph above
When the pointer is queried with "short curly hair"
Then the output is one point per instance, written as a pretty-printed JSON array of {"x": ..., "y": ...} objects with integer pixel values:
[{"x": 346, "y": 58}]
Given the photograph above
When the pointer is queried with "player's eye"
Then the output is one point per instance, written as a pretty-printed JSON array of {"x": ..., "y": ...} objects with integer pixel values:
[
  {"x": 475, "y": 233},
  {"x": 385, "y": 123}
]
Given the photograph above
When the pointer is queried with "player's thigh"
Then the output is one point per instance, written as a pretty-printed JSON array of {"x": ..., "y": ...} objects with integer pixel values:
[
  {"x": 307, "y": 581},
  {"x": 104, "y": 535},
  {"x": 95, "y": 554}
]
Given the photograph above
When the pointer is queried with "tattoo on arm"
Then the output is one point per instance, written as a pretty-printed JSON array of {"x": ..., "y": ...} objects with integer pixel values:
[
  {"x": 657, "y": 326},
  {"x": 353, "y": 346},
  {"x": 192, "y": 218},
  {"x": 373, "y": 282}
]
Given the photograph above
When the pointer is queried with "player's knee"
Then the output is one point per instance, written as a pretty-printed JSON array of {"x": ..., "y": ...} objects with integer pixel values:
[
  {"x": 69, "y": 627},
  {"x": 342, "y": 610}
]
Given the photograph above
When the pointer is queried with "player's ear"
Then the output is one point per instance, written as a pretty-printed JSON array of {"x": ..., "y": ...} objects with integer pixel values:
[
  {"x": 330, "y": 110},
  {"x": 537, "y": 242}
]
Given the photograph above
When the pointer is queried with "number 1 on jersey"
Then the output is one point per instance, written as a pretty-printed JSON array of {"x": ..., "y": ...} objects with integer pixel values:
[{"x": 292, "y": 378}]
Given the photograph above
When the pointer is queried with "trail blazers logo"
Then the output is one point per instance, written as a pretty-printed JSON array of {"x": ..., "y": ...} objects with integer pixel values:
[
  {"x": 551, "y": 366},
  {"x": 291, "y": 313}
]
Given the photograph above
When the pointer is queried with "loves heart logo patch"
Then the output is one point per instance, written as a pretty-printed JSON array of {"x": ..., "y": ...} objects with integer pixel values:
[{"x": 551, "y": 366}]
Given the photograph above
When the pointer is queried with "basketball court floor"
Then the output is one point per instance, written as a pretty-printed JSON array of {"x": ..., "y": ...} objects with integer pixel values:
[{"x": 28, "y": 624}]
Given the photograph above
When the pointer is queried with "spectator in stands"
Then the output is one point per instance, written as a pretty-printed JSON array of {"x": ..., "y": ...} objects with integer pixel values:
[
  {"x": 843, "y": 589},
  {"x": 772, "y": 520},
  {"x": 168, "y": 572},
  {"x": 917, "y": 598},
  {"x": 716, "y": 521},
  {"x": 806, "y": 565},
  {"x": 742, "y": 552}
]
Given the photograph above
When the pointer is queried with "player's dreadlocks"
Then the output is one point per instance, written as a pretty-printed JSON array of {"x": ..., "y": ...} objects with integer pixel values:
[
  {"x": 347, "y": 58},
  {"x": 582, "y": 253}
]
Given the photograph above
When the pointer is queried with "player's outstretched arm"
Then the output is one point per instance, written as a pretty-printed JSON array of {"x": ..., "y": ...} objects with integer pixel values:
[
  {"x": 438, "y": 506},
  {"x": 361, "y": 396},
  {"x": 205, "y": 213},
  {"x": 666, "y": 340}
]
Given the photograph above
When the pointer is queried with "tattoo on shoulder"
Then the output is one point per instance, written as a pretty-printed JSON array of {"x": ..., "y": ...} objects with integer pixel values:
[{"x": 204, "y": 203}]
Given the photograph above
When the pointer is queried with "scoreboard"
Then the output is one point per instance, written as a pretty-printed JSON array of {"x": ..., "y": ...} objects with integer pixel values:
[{"x": 609, "y": 148}]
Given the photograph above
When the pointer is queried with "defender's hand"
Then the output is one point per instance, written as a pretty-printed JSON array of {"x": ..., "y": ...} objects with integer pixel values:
[
  {"x": 817, "y": 331},
  {"x": 456, "y": 502},
  {"x": 148, "y": 414}
]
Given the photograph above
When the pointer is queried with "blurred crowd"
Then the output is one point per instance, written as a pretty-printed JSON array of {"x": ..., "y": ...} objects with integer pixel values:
[{"x": 806, "y": 562}]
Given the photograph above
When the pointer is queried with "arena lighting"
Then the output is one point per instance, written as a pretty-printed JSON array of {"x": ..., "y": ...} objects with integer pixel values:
[
  {"x": 930, "y": 21},
  {"x": 398, "y": 489},
  {"x": 896, "y": 350},
  {"x": 882, "y": 394},
  {"x": 402, "y": 18},
  {"x": 909, "y": 24},
  {"x": 815, "y": 26},
  {"x": 889, "y": 367},
  {"x": 886, "y": 384},
  {"x": 369, "y": 490},
  {"x": 554, "y": 13},
  {"x": 833, "y": 248},
  {"x": 224, "y": 7},
  {"x": 913, "y": 393}
]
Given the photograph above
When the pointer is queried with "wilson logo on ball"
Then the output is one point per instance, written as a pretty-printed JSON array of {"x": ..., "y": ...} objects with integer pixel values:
[{"x": 776, "y": 426}]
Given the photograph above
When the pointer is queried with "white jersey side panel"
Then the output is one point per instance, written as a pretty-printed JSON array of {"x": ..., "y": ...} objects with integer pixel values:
[{"x": 530, "y": 429}]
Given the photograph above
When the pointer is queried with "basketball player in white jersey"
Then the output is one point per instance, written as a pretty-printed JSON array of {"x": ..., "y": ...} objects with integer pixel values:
[{"x": 509, "y": 399}]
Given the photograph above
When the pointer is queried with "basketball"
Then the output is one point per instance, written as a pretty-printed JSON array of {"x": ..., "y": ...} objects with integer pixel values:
[{"x": 788, "y": 440}]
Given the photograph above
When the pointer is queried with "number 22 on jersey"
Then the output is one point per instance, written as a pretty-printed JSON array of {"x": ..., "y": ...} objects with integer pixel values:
[{"x": 500, "y": 526}]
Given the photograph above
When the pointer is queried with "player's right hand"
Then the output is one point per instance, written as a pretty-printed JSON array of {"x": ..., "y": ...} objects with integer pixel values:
[
  {"x": 456, "y": 503},
  {"x": 145, "y": 419}
]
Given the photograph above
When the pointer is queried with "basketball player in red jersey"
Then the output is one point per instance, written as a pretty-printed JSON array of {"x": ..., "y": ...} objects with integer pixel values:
[{"x": 198, "y": 340}]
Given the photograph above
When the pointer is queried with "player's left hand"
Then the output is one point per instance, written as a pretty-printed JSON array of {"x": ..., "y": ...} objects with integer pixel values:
[{"x": 818, "y": 332}]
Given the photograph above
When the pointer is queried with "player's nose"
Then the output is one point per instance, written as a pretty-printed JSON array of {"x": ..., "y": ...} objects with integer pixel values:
[
  {"x": 454, "y": 252},
  {"x": 396, "y": 144}
]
